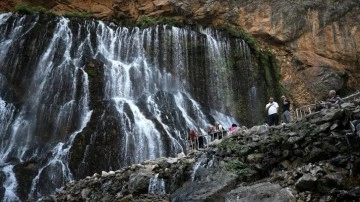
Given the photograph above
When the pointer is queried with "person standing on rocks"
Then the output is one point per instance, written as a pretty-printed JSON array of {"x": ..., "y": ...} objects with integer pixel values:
[
  {"x": 193, "y": 138},
  {"x": 286, "y": 115},
  {"x": 334, "y": 100},
  {"x": 272, "y": 110}
]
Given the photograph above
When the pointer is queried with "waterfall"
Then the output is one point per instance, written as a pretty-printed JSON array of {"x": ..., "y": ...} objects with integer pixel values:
[
  {"x": 10, "y": 184},
  {"x": 156, "y": 185},
  {"x": 82, "y": 96},
  {"x": 28, "y": 138},
  {"x": 199, "y": 166},
  {"x": 196, "y": 167},
  {"x": 7, "y": 111}
]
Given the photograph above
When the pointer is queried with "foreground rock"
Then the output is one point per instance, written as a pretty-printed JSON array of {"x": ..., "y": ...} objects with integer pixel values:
[
  {"x": 314, "y": 159},
  {"x": 260, "y": 192}
]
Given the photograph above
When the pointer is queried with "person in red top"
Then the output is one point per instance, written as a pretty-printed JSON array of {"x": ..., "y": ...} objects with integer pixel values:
[
  {"x": 192, "y": 135},
  {"x": 197, "y": 140}
]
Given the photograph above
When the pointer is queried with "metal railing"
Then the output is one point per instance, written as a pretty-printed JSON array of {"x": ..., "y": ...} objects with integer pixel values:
[
  {"x": 307, "y": 109},
  {"x": 196, "y": 144},
  {"x": 352, "y": 97},
  {"x": 302, "y": 111}
]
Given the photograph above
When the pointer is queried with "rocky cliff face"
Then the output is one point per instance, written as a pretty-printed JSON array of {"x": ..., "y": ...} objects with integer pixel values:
[
  {"x": 100, "y": 8},
  {"x": 316, "y": 42}
]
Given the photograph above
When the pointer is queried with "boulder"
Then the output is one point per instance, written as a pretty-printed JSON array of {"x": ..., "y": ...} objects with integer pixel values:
[{"x": 262, "y": 192}]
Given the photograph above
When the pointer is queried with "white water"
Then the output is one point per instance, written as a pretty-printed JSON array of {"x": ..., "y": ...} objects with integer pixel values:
[
  {"x": 139, "y": 65},
  {"x": 10, "y": 184},
  {"x": 44, "y": 99},
  {"x": 201, "y": 162},
  {"x": 60, "y": 159},
  {"x": 129, "y": 74},
  {"x": 195, "y": 168},
  {"x": 156, "y": 185},
  {"x": 6, "y": 117}
]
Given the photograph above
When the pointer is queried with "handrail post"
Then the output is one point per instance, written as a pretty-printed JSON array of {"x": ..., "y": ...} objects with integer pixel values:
[{"x": 297, "y": 114}]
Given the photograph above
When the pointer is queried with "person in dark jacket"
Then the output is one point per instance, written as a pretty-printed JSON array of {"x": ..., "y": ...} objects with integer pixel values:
[{"x": 286, "y": 115}]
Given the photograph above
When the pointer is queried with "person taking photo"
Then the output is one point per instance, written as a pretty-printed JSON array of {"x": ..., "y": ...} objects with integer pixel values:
[{"x": 272, "y": 110}]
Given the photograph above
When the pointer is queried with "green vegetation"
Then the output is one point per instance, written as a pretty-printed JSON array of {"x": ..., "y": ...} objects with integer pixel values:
[
  {"x": 266, "y": 58},
  {"x": 79, "y": 15},
  {"x": 223, "y": 64},
  {"x": 272, "y": 72},
  {"x": 268, "y": 64},
  {"x": 91, "y": 71},
  {"x": 232, "y": 147},
  {"x": 228, "y": 145},
  {"x": 27, "y": 9},
  {"x": 235, "y": 165},
  {"x": 237, "y": 32},
  {"x": 238, "y": 168},
  {"x": 145, "y": 21},
  {"x": 241, "y": 105}
]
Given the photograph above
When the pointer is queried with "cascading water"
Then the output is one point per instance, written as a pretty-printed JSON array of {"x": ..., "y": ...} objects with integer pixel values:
[
  {"x": 78, "y": 97},
  {"x": 45, "y": 123},
  {"x": 199, "y": 166},
  {"x": 156, "y": 185}
]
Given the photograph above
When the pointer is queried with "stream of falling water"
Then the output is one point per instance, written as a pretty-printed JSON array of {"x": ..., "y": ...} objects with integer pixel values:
[{"x": 144, "y": 69}]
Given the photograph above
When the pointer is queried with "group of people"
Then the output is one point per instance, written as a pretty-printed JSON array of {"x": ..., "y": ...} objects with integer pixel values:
[
  {"x": 216, "y": 131},
  {"x": 272, "y": 109},
  {"x": 196, "y": 140}
]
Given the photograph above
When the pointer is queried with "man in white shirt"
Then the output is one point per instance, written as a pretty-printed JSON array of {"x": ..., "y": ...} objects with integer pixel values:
[{"x": 272, "y": 110}]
